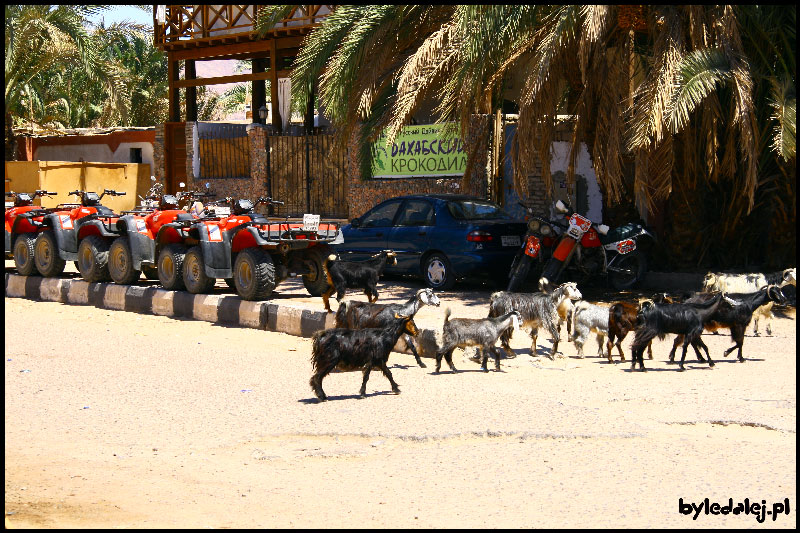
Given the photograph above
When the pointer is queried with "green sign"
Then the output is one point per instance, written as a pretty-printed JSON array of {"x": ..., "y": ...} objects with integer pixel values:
[{"x": 419, "y": 151}]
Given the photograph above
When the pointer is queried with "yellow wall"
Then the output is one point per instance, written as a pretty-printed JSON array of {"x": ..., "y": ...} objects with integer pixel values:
[{"x": 64, "y": 176}]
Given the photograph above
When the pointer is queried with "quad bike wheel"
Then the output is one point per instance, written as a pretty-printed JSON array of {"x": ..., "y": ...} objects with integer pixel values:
[
  {"x": 120, "y": 262},
  {"x": 170, "y": 267},
  {"x": 24, "y": 255},
  {"x": 317, "y": 282},
  {"x": 93, "y": 259},
  {"x": 254, "y": 274},
  {"x": 48, "y": 262},
  {"x": 194, "y": 272}
]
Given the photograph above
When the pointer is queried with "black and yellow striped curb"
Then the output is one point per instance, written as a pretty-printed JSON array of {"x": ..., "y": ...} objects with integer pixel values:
[{"x": 225, "y": 309}]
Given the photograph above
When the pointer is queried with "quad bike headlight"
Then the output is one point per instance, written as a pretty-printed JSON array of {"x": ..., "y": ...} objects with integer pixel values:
[{"x": 533, "y": 225}]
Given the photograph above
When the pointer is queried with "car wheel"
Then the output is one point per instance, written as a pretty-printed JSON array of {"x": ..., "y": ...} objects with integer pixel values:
[
  {"x": 170, "y": 267},
  {"x": 93, "y": 259},
  {"x": 194, "y": 272},
  {"x": 120, "y": 262},
  {"x": 24, "y": 255},
  {"x": 437, "y": 272}
]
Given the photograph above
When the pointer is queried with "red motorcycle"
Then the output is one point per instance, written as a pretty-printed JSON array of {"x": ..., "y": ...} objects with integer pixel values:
[
  {"x": 537, "y": 247},
  {"x": 590, "y": 249}
]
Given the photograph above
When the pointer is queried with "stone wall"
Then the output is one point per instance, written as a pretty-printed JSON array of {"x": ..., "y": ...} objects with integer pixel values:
[{"x": 159, "y": 169}]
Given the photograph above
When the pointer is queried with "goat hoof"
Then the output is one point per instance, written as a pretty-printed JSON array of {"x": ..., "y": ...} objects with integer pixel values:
[
  {"x": 422, "y": 365},
  {"x": 396, "y": 391}
]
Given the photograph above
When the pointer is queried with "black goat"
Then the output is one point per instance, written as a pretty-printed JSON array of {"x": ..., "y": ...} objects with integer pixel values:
[
  {"x": 684, "y": 319},
  {"x": 359, "y": 315},
  {"x": 735, "y": 313},
  {"x": 353, "y": 349},
  {"x": 344, "y": 275}
]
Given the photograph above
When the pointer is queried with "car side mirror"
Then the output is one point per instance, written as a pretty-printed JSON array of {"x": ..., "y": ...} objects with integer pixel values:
[{"x": 356, "y": 222}]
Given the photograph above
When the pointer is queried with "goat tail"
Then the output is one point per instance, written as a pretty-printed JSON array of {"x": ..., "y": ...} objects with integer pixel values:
[
  {"x": 446, "y": 315},
  {"x": 322, "y": 356}
]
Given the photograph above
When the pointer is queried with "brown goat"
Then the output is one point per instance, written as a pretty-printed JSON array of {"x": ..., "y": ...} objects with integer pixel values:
[{"x": 622, "y": 319}]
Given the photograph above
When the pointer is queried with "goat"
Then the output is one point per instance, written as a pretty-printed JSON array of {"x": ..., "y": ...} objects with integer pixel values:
[
  {"x": 622, "y": 318},
  {"x": 352, "y": 349},
  {"x": 660, "y": 319},
  {"x": 359, "y": 315},
  {"x": 586, "y": 318},
  {"x": 749, "y": 283},
  {"x": 480, "y": 332},
  {"x": 537, "y": 309},
  {"x": 734, "y": 313},
  {"x": 344, "y": 275}
]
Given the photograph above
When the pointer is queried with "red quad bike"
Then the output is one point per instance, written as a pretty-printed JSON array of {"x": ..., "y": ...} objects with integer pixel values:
[
  {"x": 23, "y": 224},
  {"x": 133, "y": 251},
  {"x": 589, "y": 249},
  {"x": 537, "y": 247},
  {"x": 245, "y": 249},
  {"x": 82, "y": 234}
]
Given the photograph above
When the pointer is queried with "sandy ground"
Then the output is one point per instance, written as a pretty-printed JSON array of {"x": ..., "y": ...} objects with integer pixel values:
[{"x": 114, "y": 419}]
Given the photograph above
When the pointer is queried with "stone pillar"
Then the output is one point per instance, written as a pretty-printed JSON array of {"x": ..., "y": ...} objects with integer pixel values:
[
  {"x": 159, "y": 171},
  {"x": 191, "y": 147}
]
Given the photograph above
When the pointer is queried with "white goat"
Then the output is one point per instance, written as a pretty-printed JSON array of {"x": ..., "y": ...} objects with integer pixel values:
[{"x": 587, "y": 318}]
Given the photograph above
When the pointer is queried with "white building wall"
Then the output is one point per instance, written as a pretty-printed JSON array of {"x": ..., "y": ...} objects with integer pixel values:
[{"x": 98, "y": 153}]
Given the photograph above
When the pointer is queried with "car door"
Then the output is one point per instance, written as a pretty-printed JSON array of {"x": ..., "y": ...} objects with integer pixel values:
[
  {"x": 370, "y": 233},
  {"x": 410, "y": 235}
]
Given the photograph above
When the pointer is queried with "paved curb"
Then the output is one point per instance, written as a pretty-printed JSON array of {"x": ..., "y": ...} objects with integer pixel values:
[{"x": 230, "y": 310}]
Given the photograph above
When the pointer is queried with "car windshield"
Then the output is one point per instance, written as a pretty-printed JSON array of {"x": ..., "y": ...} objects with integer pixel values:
[{"x": 475, "y": 210}]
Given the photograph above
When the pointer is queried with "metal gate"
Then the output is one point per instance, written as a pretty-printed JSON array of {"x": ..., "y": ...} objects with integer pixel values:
[
  {"x": 224, "y": 150},
  {"x": 307, "y": 173}
]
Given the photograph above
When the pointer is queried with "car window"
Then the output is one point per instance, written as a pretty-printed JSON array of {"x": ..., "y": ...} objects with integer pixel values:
[
  {"x": 381, "y": 216},
  {"x": 416, "y": 213},
  {"x": 475, "y": 210}
]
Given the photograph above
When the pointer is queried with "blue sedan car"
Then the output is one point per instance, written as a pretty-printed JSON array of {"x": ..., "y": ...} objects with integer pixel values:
[{"x": 440, "y": 237}]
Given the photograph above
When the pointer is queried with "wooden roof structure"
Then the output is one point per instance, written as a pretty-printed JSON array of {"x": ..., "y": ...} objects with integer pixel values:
[{"x": 192, "y": 33}]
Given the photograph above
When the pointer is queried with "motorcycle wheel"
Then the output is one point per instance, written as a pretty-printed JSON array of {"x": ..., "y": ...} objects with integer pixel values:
[
  {"x": 519, "y": 272},
  {"x": 633, "y": 267}
]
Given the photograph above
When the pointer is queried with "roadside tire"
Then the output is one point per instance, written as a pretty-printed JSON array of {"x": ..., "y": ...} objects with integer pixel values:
[
  {"x": 170, "y": 267},
  {"x": 636, "y": 265},
  {"x": 194, "y": 272},
  {"x": 93, "y": 259},
  {"x": 254, "y": 274},
  {"x": 45, "y": 255},
  {"x": 316, "y": 283},
  {"x": 24, "y": 255},
  {"x": 120, "y": 262},
  {"x": 438, "y": 273},
  {"x": 150, "y": 272}
]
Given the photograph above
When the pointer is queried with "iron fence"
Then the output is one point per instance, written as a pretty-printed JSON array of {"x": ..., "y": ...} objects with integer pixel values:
[{"x": 224, "y": 151}]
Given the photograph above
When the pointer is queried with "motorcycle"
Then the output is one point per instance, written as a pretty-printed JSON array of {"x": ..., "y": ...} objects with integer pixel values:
[
  {"x": 590, "y": 249},
  {"x": 537, "y": 247}
]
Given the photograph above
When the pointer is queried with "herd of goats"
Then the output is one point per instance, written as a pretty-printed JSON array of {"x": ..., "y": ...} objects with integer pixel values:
[{"x": 366, "y": 332}]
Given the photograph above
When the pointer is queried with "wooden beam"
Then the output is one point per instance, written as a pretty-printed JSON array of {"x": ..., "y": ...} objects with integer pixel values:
[
  {"x": 174, "y": 92},
  {"x": 273, "y": 87},
  {"x": 259, "y": 93},
  {"x": 191, "y": 91},
  {"x": 246, "y": 47},
  {"x": 230, "y": 79}
]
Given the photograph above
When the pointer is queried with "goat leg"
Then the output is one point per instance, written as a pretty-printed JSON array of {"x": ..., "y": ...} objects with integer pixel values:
[
  {"x": 410, "y": 344},
  {"x": 678, "y": 340},
  {"x": 496, "y": 358},
  {"x": 449, "y": 358},
  {"x": 484, "y": 355},
  {"x": 704, "y": 347},
  {"x": 385, "y": 370},
  {"x": 622, "y": 355},
  {"x": 367, "y": 369}
]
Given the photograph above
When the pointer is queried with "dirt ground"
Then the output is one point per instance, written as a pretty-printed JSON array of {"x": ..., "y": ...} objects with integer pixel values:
[{"x": 114, "y": 419}]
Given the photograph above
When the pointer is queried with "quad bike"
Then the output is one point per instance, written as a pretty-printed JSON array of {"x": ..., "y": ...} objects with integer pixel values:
[
  {"x": 23, "y": 224},
  {"x": 81, "y": 233},
  {"x": 590, "y": 249},
  {"x": 133, "y": 251},
  {"x": 250, "y": 252}
]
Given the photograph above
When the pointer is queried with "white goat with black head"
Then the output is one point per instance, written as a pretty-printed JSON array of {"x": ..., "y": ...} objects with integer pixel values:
[
  {"x": 749, "y": 283},
  {"x": 538, "y": 309},
  {"x": 480, "y": 332},
  {"x": 359, "y": 315}
]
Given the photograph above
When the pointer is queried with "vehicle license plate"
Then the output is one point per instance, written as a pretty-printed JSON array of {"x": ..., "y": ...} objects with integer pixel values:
[
  {"x": 310, "y": 222},
  {"x": 510, "y": 240},
  {"x": 221, "y": 211}
]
